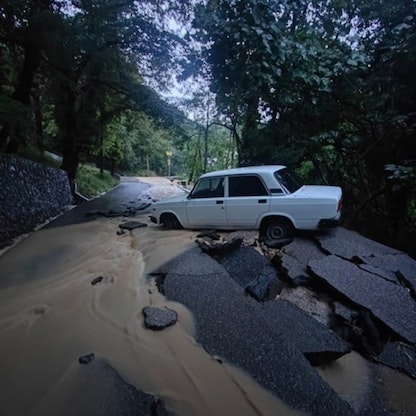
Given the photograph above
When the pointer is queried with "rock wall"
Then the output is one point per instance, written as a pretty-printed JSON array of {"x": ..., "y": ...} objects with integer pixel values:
[{"x": 30, "y": 193}]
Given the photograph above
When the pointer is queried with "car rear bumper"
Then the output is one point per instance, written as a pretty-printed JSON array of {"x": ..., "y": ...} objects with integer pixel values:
[{"x": 328, "y": 223}]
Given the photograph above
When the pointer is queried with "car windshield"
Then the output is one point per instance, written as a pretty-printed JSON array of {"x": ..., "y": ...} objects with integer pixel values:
[
  {"x": 289, "y": 180},
  {"x": 211, "y": 187}
]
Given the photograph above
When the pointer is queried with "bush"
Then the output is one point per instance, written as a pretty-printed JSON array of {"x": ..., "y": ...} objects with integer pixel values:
[{"x": 92, "y": 183}]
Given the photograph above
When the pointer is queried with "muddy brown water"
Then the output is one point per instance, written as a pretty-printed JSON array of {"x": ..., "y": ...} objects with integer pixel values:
[{"x": 50, "y": 315}]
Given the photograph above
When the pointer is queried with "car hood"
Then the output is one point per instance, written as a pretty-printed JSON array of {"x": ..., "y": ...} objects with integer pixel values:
[
  {"x": 319, "y": 191},
  {"x": 177, "y": 198}
]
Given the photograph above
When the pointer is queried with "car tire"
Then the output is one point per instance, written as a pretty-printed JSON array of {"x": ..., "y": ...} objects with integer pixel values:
[
  {"x": 277, "y": 228},
  {"x": 171, "y": 222}
]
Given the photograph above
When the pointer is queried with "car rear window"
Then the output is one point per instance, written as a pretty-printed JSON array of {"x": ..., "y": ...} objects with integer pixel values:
[{"x": 289, "y": 180}]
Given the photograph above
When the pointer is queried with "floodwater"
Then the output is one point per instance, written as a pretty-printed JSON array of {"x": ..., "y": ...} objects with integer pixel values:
[{"x": 51, "y": 314}]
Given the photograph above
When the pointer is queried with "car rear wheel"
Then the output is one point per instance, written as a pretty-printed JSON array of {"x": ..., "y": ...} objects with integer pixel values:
[
  {"x": 171, "y": 222},
  {"x": 276, "y": 228}
]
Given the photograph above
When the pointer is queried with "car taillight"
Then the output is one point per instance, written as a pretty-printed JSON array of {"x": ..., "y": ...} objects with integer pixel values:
[{"x": 339, "y": 205}]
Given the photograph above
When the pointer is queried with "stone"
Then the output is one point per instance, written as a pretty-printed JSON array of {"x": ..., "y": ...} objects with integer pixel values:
[
  {"x": 266, "y": 285},
  {"x": 390, "y": 303},
  {"x": 131, "y": 225},
  {"x": 30, "y": 194},
  {"x": 316, "y": 341},
  {"x": 159, "y": 318},
  {"x": 217, "y": 248},
  {"x": 97, "y": 280},
  {"x": 86, "y": 359},
  {"x": 279, "y": 243},
  {"x": 212, "y": 234}
]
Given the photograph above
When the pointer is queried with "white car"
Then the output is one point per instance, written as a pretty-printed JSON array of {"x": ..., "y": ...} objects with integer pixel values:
[{"x": 266, "y": 198}]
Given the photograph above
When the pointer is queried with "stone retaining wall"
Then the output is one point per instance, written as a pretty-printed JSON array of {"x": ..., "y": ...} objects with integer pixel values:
[{"x": 30, "y": 193}]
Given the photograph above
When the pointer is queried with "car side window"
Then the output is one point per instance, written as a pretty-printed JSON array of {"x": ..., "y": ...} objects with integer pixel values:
[
  {"x": 247, "y": 185},
  {"x": 209, "y": 188}
]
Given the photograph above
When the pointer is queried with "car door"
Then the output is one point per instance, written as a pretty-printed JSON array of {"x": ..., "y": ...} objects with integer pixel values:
[
  {"x": 205, "y": 205},
  {"x": 248, "y": 198}
]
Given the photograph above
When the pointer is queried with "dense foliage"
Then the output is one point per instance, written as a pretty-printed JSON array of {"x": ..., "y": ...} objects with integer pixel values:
[
  {"x": 72, "y": 78},
  {"x": 326, "y": 86}
]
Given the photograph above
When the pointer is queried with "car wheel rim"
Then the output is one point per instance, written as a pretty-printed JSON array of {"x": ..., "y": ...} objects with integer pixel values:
[{"x": 276, "y": 232}]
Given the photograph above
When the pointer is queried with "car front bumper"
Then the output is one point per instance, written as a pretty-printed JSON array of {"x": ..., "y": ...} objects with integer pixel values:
[{"x": 153, "y": 219}]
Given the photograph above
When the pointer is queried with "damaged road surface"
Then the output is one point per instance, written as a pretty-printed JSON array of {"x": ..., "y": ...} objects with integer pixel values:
[
  {"x": 118, "y": 317},
  {"x": 235, "y": 328},
  {"x": 320, "y": 297}
]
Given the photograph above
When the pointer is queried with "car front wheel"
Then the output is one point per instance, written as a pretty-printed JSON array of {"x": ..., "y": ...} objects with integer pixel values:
[
  {"x": 171, "y": 222},
  {"x": 278, "y": 228}
]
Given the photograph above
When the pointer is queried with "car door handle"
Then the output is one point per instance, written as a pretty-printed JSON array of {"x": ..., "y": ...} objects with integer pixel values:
[
  {"x": 219, "y": 202},
  {"x": 262, "y": 201}
]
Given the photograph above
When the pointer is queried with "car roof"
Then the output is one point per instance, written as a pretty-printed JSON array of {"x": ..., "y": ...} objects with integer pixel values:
[{"x": 247, "y": 169}]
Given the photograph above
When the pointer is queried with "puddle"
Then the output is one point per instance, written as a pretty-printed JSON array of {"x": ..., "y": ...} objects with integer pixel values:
[
  {"x": 51, "y": 314},
  {"x": 361, "y": 384}
]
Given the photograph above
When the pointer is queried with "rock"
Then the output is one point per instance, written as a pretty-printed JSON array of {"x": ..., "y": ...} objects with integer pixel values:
[
  {"x": 232, "y": 244},
  {"x": 159, "y": 318},
  {"x": 318, "y": 343},
  {"x": 400, "y": 356},
  {"x": 212, "y": 234},
  {"x": 279, "y": 243},
  {"x": 266, "y": 285},
  {"x": 216, "y": 248},
  {"x": 131, "y": 225},
  {"x": 97, "y": 280},
  {"x": 120, "y": 232},
  {"x": 390, "y": 303},
  {"x": 86, "y": 359},
  {"x": 209, "y": 247},
  {"x": 234, "y": 328},
  {"x": 111, "y": 213}
]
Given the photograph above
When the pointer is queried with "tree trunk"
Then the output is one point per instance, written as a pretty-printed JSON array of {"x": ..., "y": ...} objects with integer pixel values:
[
  {"x": 38, "y": 120},
  {"x": 30, "y": 64}
]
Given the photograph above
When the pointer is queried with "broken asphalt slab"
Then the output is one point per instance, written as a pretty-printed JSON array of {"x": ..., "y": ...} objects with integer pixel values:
[
  {"x": 350, "y": 244},
  {"x": 234, "y": 327},
  {"x": 94, "y": 388},
  {"x": 400, "y": 356},
  {"x": 390, "y": 303},
  {"x": 295, "y": 257},
  {"x": 381, "y": 260},
  {"x": 318, "y": 343}
]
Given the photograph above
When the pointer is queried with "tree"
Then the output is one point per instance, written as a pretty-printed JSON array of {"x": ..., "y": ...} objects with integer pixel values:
[
  {"x": 322, "y": 84},
  {"x": 94, "y": 55}
]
